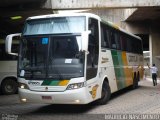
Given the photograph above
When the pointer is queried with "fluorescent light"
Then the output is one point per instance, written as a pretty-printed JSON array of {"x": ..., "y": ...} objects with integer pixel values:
[{"x": 16, "y": 17}]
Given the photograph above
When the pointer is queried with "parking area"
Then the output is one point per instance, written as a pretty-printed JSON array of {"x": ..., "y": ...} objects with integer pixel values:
[{"x": 144, "y": 100}]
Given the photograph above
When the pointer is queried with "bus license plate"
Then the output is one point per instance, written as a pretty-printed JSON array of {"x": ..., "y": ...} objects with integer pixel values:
[{"x": 46, "y": 97}]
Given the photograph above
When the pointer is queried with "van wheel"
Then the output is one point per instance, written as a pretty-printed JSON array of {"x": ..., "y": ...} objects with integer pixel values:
[
  {"x": 135, "y": 81},
  {"x": 106, "y": 93},
  {"x": 9, "y": 86}
]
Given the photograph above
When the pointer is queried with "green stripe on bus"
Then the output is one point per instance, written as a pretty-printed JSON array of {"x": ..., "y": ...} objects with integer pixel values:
[
  {"x": 118, "y": 67},
  {"x": 51, "y": 82}
]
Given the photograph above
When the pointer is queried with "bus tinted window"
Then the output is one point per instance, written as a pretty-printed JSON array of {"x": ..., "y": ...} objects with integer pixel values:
[
  {"x": 123, "y": 42},
  {"x": 104, "y": 36},
  {"x": 118, "y": 40},
  {"x": 129, "y": 49},
  {"x": 115, "y": 41},
  {"x": 112, "y": 38},
  {"x": 93, "y": 48},
  {"x": 139, "y": 46}
]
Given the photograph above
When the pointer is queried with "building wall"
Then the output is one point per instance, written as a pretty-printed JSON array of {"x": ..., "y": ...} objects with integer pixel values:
[
  {"x": 117, "y": 16},
  {"x": 156, "y": 50}
]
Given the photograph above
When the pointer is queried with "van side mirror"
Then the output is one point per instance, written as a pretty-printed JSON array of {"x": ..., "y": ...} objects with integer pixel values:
[{"x": 8, "y": 43}]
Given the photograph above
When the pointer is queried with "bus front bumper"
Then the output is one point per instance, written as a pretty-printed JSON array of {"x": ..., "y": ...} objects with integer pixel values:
[{"x": 76, "y": 96}]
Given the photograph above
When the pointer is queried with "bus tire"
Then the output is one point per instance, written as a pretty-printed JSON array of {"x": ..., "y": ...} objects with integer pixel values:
[
  {"x": 106, "y": 93},
  {"x": 135, "y": 82},
  {"x": 9, "y": 86}
]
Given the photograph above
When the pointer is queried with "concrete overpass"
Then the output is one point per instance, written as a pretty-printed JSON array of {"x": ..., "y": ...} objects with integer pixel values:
[
  {"x": 99, "y": 4},
  {"x": 10, "y": 9}
]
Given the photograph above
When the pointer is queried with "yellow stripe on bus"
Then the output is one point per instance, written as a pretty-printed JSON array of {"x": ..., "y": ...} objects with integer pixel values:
[
  {"x": 127, "y": 70},
  {"x": 63, "y": 82}
]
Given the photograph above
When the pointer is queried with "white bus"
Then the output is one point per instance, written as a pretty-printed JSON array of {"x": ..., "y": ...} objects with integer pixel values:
[
  {"x": 75, "y": 59},
  {"x": 8, "y": 69}
]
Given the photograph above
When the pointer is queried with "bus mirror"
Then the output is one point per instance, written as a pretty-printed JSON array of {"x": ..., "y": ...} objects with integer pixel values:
[
  {"x": 8, "y": 43},
  {"x": 85, "y": 37}
]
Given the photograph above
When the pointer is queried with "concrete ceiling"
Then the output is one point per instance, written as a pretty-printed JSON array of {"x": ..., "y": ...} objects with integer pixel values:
[
  {"x": 26, "y": 8},
  {"x": 23, "y": 8},
  {"x": 147, "y": 17},
  {"x": 145, "y": 14},
  {"x": 8, "y": 3}
]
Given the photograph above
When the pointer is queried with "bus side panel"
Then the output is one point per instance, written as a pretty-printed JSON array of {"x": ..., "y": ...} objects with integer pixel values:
[
  {"x": 122, "y": 70},
  {"x": 107, "y": 69},
  {"x": 118, "y": 69},
  {"x": 8, "y": 69},
  {"x": 141, "y": 69},
  {"x": 127, "y": 69}
]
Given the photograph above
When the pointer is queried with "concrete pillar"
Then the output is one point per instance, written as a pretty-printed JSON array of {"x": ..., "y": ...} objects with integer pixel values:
[
  {"x": 155, "y": 44},
  {"x": 155, "y": 48},
  {"x": 150, "y": 48}
]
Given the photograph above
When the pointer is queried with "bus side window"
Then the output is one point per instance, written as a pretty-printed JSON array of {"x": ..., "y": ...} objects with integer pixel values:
[
  {"x": 103, "y": 42},
  {"x": 93, "y": 48},
  {"x": 117, "y": 40},
  {"x": 104, "y": 36},
  {"x": 123, "y": 42},
  {"x": 128, "y": 44},
  {"x": 135, "y": 45},
  {"x": 113, "y": 42},
  {"x": 107, "y": 35},
  {"x": 140, "y": 47}
]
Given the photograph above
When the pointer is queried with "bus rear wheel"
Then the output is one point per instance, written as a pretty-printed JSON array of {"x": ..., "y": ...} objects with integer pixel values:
[
  {"x": 105, "y": 94},
  {"x": 9, "y": 86}
]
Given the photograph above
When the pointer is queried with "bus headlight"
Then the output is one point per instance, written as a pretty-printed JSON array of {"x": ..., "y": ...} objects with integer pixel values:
[
  {"x": 23, "y": 86},
  {"x": 76, "y": 85}
]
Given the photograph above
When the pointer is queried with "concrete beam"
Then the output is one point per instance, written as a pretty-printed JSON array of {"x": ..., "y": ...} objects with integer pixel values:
[
  {"x": 5, "y": 3},
  {"x": 97, "y": 4}
]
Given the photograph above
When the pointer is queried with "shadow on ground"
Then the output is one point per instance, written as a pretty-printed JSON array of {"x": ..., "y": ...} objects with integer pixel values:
[{"x": 63, "y": 109}]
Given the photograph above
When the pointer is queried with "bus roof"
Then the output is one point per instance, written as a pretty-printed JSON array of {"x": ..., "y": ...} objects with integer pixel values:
[
  {"x": 64, "y": 15},
  {"x": 120, "y": 29},
  {"x": 84, "y": 14}
]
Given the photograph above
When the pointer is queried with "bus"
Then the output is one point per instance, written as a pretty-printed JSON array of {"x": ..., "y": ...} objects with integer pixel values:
[
  {"x": 75, "y": 59},
  {"x": 8, "y": 69}
]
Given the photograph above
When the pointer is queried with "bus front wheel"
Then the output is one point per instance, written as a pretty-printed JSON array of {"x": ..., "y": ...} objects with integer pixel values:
[
  {"x": 9, "y": 86},
  {"x": 105, "y": 94}
]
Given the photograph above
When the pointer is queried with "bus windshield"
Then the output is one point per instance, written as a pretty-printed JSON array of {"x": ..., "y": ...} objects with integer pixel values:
[
  {"x": 56, "y": 25},
  {"x": 51, "y": 57}
]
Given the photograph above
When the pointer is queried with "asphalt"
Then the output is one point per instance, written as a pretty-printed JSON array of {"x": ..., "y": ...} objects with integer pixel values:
[{"x": 144, "y": 100}]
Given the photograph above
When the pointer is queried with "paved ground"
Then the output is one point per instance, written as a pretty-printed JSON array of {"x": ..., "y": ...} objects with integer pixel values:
[{"x": 144, "y": 100}]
